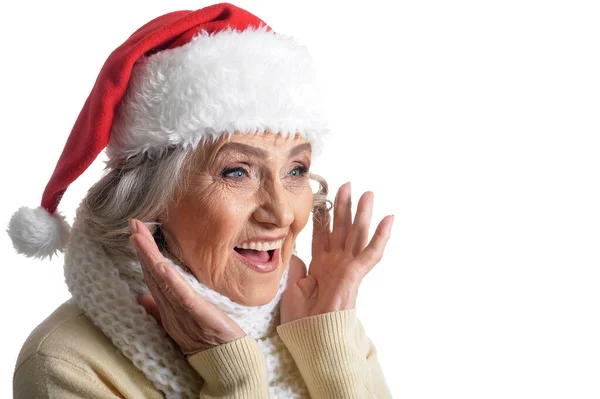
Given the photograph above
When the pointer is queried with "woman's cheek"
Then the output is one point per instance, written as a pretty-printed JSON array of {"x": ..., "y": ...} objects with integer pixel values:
[{"x": 303, "y": 208}]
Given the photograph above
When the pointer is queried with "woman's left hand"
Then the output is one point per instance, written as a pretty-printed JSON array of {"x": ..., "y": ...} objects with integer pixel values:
[{"x": 340, "y": 259}]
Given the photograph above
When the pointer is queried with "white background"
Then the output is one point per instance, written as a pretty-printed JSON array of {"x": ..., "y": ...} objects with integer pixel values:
[{"x": 475, "y": 122}]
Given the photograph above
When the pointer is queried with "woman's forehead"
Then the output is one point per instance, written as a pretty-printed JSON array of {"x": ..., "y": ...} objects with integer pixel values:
[
  {"x": 266, "y": 139},
  {"x": 266, "y": 144},
  {"x": 260, "y": 145}
]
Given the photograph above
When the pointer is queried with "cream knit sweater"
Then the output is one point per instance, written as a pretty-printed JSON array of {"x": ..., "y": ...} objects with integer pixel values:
[{"x": 325, "y": 356}]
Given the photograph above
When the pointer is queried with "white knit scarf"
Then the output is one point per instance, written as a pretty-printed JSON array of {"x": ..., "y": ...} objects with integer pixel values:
[{"x": 107, "y": 289}]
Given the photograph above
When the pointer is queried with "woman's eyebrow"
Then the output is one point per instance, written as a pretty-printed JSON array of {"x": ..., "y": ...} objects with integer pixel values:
[
  {"x": 244, "y": 148},
  {"x": 299, "y": 149}
]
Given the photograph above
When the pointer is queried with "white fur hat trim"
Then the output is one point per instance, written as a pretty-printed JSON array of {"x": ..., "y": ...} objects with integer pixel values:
[{"x": 247, "y": 82}]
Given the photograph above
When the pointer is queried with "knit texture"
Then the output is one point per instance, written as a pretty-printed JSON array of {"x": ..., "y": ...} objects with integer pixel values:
[
  {"x": 220, "y": 367},
  {"x": 335, "y": 333},
  {"x": 106, "y": 289}
]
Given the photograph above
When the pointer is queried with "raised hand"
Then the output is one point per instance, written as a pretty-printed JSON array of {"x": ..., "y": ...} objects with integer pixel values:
[
  {"x": 341, "y": 258},
  {"x": 192, "y": 322}
]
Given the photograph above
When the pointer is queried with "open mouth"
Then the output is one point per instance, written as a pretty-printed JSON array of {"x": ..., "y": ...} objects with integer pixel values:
[
  {"x": 254, "y": 255},
  {"x": 261, "y": 256}
]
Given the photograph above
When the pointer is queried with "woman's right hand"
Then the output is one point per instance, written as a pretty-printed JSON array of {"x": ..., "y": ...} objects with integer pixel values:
[{"x": 192, "y": 322}]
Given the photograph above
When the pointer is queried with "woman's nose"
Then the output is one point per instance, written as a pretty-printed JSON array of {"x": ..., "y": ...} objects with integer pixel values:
[{"x": 276, "y": 207}]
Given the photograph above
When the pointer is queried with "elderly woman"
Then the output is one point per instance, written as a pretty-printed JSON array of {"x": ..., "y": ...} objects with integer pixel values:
[{"x": 181, "y": 258}]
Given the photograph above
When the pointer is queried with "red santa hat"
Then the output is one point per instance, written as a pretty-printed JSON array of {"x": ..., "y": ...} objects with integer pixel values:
[{"x": 182, "y": 78}]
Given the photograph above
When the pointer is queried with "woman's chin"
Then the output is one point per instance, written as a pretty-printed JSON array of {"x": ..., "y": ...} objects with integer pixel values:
[
  {"x": 257, "y": 284},
  {"x": 258, "y": 295},
  {"x": 258, "y": 288}
]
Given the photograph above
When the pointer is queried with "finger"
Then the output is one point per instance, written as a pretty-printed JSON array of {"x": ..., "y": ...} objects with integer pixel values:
[
  {"x": 148, "y": 302},
  {"x": 178, "y": 292},
  {"x": 359, "y": 235},
  {"x": 373, "y": 253},
  {"x": 321, "y": 231},
  {"x": 342, "y": 216},
  {"x": 156, "y": 266},
  {"x": 143, "y": 229},
  {"x": 140, "y": 243},
  {"x": 297, "y": 270},
  {"x": 148, "y": 253},
  {"x": 181, "y": 295}
]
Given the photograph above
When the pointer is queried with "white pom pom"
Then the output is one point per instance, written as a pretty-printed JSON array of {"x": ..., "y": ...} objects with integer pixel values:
[{"x": 37, "y": 233}]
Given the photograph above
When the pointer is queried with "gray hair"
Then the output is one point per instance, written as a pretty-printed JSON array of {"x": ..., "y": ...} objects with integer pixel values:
[{"x": 143, "y": 187}]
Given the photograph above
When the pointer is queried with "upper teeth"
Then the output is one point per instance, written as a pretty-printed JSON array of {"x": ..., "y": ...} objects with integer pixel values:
[{"x": 262, "y": 246}]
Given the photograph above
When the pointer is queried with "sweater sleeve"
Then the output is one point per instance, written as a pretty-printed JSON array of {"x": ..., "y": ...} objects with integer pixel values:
[
  {"x": 237, "y": 369},
  {"x": 334, "y": 356}
]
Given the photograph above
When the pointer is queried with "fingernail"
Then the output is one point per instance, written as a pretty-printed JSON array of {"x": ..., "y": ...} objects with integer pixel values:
[{"x": 132, "y": 226}]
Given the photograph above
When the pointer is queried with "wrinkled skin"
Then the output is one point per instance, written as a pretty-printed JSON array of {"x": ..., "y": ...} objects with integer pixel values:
[
  {"x": 193, "y": 323},
  {"x": 224, "y": 206}
]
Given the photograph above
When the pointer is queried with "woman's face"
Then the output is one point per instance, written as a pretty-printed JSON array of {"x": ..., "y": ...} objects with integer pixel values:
[{"x": 237, "y": 222}]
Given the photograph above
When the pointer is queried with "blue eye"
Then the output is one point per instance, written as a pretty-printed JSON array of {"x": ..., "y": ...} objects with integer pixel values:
[
  {"x": 298, "y": 171},
  {"x": 236, "y": 173}
]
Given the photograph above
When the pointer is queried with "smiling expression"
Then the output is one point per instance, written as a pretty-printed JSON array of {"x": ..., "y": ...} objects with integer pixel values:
[{"x": 245, "y": 202}]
